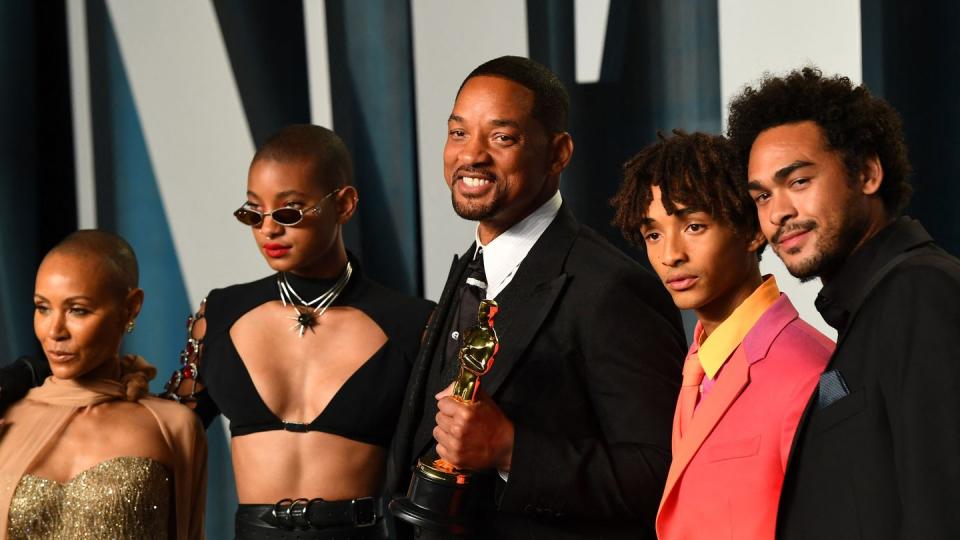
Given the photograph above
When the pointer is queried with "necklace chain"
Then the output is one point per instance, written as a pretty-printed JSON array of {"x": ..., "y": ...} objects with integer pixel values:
[{"x": 307, "y": 314}]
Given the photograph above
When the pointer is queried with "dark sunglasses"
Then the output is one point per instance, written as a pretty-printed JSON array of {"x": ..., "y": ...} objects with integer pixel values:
[{"x": 283, "y": 216}]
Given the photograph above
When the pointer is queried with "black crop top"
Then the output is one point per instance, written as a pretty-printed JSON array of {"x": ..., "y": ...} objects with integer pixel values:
[{"x": 354, "y": 412}]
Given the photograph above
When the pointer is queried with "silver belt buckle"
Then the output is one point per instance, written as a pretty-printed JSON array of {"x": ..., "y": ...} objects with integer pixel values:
[
  {"x": 296, "y": 427},
  {"x": 364, "y": 514}
]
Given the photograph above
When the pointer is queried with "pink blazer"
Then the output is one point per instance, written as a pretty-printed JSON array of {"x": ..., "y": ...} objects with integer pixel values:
[{"x": 727, "y": 470}]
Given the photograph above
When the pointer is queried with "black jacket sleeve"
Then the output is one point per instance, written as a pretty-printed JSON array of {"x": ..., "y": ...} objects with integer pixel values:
[{"x": 921, "y": 389}]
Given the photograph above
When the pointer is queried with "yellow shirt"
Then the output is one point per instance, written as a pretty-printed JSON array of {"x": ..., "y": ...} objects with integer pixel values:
[{"x": 715, "y": 350}]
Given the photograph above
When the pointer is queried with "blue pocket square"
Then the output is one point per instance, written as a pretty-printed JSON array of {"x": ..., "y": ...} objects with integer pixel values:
[{"x": 831, "y": 388}]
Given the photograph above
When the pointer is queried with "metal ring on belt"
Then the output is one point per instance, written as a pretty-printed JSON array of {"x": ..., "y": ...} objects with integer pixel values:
[{"x": 319, "y": 514}]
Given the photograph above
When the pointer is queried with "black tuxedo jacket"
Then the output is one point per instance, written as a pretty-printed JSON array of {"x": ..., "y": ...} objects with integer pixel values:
[
  {"x": 881, "y": 460},
  {"x": 591, "y": 349}
]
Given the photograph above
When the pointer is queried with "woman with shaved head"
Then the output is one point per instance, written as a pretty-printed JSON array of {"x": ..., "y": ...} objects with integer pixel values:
[
  {"x": 88, "y": 454},
  {"x": 309, "y": 363}
]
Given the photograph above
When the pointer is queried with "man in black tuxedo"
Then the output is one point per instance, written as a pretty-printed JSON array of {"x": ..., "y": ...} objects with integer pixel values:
[
  {"x": 877, "y": 453},
  {"x": 573, "y": 421}
]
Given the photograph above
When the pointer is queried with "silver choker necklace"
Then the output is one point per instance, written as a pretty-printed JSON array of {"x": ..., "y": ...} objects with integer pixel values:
[{"x": 307, "y": 314}]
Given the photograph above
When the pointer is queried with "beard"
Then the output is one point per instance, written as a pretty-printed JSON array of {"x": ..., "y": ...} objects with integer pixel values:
[
  {"x": 476, "y": 209},
  {"x": 834, "y": 244}
]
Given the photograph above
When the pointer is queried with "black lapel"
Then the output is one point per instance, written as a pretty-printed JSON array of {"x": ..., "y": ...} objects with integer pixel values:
[
  {"x": 530, "y": 297},
  {"x": 413, "y": 405},
  {"x": 411, "y": 413}
]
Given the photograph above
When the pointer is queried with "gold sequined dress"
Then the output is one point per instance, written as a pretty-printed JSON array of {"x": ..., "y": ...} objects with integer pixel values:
[{"x": 124, "y": 497}]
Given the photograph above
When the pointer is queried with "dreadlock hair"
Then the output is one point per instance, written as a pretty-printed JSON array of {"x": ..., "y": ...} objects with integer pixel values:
[
  {"x": 694, "y": 170},
  {"x": 855, "y": 124}
]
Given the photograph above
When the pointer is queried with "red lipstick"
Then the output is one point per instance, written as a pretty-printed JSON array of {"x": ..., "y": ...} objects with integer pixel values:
[{"x": 275, "y": 251}]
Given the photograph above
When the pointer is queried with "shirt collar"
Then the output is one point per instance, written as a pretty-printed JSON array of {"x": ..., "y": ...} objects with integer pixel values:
[
  {"x": 836, "y": 300},
  {"x": 726, "y": 337},
  {"x": 503, "y": 254}
]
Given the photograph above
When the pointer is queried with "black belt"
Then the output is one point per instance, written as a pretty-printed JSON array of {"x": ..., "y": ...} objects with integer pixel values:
[
  {"x": 249, "y": 526},
  {"x": 320, "y": 514}
]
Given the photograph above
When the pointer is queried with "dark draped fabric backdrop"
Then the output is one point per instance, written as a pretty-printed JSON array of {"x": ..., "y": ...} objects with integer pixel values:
[
  {"x": 370, "y": 50},
  {"x": 660, "y": 70},
  {"x": 36, "y": 158},
  {"x": 911, "y": 51}
]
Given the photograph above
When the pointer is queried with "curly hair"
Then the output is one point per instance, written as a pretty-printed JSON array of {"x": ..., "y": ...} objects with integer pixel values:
[
  {"x": 855, "y": 124},
  {"x": 695, "y": 170}
]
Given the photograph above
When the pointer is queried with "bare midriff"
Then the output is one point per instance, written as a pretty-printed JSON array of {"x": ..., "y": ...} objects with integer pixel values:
[{"x": 274, "y": 465}]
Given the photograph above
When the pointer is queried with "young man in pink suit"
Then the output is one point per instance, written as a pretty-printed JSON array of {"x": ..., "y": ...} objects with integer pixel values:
[{"x": 753, "y": 363}]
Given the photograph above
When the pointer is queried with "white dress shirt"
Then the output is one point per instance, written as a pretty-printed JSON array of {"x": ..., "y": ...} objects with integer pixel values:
[{"x": 503, "y": 255}]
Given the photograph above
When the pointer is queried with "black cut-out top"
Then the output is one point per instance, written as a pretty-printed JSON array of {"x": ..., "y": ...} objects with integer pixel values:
[{"x": 364, "y": 409}]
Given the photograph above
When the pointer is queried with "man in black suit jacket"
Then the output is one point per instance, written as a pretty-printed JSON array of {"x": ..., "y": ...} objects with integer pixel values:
[
  {"x": 877, "y": 454},
  {"x": 573, "y": 421}
]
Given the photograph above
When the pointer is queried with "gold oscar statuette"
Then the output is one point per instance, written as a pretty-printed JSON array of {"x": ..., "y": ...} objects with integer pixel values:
[{"x": 439, "y": 491}]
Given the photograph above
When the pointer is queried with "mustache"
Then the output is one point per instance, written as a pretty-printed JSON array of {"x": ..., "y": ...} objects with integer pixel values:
[
  {"x": 475, "y": 173},
  {"x": 790, "y": 227}
]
